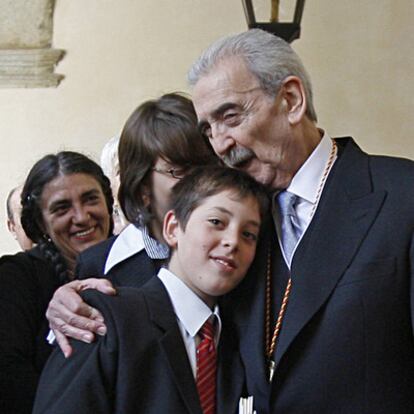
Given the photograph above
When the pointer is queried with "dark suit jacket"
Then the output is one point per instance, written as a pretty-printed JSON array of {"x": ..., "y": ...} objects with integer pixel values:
[
  {"x": 346, "y": 344},
  {"x": 134, "y": 271},
  {"x": 140, "y": 366}
]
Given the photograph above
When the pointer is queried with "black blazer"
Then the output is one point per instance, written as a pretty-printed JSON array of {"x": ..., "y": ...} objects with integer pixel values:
[
  {"x": 134, "y": 271},
  {"x": 140, "y": 366},
  {"x": 346, "y": 344}
]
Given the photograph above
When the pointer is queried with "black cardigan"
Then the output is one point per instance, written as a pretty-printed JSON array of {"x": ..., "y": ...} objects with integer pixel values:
[{"x": 27, "y": 284}]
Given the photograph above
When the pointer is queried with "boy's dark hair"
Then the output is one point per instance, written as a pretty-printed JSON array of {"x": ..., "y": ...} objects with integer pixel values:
[
  {"x": 42, "y": 173},
  {"x": 166, "y": 128},
  {"x": 204, "y": 182}
]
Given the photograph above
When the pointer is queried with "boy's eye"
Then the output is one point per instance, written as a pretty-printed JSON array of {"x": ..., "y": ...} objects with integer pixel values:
[
  {"x": 215, "y": 221},
  {"x": 178, "y": 172},
  {"x": 250, "y": 236}
]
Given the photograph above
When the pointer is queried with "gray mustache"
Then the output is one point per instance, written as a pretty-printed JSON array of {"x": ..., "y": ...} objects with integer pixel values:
[{"x": 237, "y": 156}]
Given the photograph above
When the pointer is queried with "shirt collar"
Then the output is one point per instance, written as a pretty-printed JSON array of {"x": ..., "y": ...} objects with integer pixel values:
[
  {"x": 188, "y": 307},
  {"x": 154, "y": 249},
  {"x": 128, "y": 243},
  {"x": 131, "y": 241},
  {"x": 306, "y": 181}
]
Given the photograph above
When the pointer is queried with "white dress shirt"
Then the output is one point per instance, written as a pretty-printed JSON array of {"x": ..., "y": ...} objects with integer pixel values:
[
  {"x": 306, "y": 184},
  {"x": 191, "y": 313},
  {"x": 131, "y": 241},
  {"x": 128, "y": 243}
]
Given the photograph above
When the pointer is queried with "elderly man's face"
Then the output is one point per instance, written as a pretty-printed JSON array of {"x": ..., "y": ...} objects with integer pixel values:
[{"x": 247, "y": 128}]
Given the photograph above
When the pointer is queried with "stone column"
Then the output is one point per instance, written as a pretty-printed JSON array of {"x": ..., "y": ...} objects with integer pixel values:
[{"x": 27, "y": 59}]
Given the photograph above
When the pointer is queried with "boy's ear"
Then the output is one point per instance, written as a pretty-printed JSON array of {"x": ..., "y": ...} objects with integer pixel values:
[{"x": 170, "y": 229}]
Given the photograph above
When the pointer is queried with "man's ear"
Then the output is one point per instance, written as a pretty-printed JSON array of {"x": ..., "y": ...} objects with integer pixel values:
[
  {"x": 170, "y": 229},
  {"x": 294, "y": 98}
]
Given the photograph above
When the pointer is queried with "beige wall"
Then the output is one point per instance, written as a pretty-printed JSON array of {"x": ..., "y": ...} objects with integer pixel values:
[{"x": 120, "y": 52}]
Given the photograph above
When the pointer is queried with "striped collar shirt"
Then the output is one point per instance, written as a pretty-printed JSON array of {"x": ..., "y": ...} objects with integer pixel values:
[{"x": 132, "y": 240}]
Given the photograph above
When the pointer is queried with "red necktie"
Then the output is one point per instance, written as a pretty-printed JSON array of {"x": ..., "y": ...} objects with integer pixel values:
[{"x": 206, "y": 368}]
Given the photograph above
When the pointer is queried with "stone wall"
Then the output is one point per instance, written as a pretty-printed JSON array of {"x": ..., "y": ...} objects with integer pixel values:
[{"x": 27, "y": 59}]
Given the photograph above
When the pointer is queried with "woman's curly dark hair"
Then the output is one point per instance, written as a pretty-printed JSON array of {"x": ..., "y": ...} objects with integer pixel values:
[{"x": 43, "y": 172}]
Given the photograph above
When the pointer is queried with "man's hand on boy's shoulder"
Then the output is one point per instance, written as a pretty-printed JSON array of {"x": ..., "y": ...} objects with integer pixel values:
[{"x": 70, "y": 316}]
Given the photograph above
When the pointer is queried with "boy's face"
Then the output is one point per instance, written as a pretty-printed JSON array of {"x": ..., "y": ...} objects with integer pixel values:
[{"x": 215, "y": 250}]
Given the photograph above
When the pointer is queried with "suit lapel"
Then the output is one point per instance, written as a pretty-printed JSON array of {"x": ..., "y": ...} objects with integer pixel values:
[
  {"x": 230, "y": 375},
  {"x": 247, "y": 307},
  {"x": 344, "y": 215},
  {"x": 171, "y": 343}
]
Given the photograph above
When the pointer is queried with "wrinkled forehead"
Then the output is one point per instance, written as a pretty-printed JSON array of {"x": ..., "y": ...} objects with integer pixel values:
[{"x": 229, "y": 80}]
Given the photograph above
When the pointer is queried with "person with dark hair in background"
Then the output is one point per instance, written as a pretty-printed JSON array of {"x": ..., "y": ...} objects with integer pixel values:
[
  {"x": 14, "y": 224},
  {"x": 159, "y": 144},
  {"x": 66, "y": 208}
]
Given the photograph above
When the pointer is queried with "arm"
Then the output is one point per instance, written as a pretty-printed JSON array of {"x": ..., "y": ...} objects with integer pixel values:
[
  {"x": 70, "y": 316},
  {"x": 84, "y": 383}
]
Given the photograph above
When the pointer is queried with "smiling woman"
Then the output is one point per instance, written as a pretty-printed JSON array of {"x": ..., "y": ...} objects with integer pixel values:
[
  {"x": 74, "y": 213},
  {"x": 66, "y": 208}
]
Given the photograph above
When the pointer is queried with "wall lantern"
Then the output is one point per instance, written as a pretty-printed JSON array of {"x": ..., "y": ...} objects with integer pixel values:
[{"x": 286, "y": 30}]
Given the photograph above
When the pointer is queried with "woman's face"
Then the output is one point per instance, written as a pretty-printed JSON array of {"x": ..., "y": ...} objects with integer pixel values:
[{"x": 75, "y": 214}]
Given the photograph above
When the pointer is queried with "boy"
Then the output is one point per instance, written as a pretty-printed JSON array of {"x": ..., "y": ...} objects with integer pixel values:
[{"x": 156, "y": 353}]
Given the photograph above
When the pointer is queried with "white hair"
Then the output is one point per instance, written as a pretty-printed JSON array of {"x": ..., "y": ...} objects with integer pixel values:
[
  {"x": 109, "y": 157},
  {"x": 268, "y": 57}
]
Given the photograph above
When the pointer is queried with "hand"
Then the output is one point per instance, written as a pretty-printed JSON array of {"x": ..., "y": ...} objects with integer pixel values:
[{"x": 70, "y": 316}]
